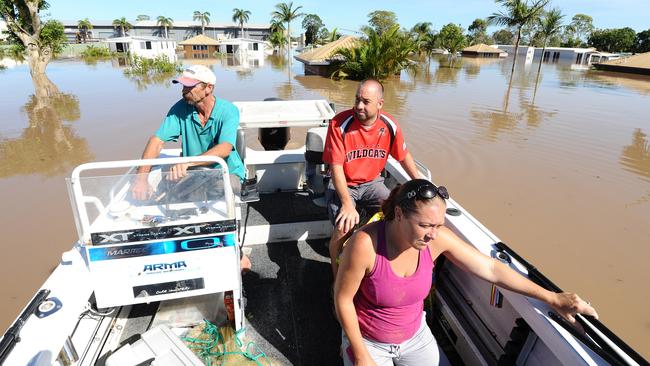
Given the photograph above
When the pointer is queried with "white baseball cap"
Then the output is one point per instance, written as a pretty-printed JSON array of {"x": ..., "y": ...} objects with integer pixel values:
[{"x": 196, "y": 74}]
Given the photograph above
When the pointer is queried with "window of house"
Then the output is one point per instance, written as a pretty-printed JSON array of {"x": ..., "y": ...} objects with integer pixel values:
[{"x": 255, "y": 46}]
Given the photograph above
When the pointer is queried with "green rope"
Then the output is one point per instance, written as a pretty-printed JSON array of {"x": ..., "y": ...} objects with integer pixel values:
[{"x": 215, "y": 337}]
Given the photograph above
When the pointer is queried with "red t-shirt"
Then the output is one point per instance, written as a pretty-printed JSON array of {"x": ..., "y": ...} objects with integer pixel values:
[{"x": 364, "y": 151}]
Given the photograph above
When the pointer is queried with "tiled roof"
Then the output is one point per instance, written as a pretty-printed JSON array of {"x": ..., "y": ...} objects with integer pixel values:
[
  {"x": 323, "y": 55},
  {"x": 201, "y": 40}
]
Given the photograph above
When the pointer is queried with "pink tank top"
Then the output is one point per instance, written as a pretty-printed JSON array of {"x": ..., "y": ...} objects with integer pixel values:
[{"x": 389, "y": 307}]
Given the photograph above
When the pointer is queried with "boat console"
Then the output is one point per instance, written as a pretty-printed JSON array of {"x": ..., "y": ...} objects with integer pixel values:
[{"x": 181, "y": 241}]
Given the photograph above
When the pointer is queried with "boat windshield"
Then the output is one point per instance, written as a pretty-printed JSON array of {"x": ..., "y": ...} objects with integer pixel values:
[{"x": 107, "y": 211}]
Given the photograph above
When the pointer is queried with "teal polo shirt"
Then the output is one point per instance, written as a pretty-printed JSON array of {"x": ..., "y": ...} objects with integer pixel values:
[{"x": 183, "y": 120}]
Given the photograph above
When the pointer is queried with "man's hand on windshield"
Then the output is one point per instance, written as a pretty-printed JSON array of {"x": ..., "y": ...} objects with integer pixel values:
[
  {"x": 178, "y": 171},
  {"x": 141, "y": 190}
]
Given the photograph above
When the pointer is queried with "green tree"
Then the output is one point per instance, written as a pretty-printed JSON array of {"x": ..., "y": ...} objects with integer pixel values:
[
  {"x": 518, "y": 13},
  {"x": 478, "y": 32},
  {"x": 312, "y": 24},
  {"x": 503, "y": 36},
  {"x": 420, "y": 34},
  {"x": 203, "y": 17},
  {"x": 642, "y": 41},
  {"x": 286, "y": 13},
  {"x": 84, "y": 27},
  {"x": 378, "y": 56},
  {"x": 549, "y": 26},
  {"x": 325, "y": 36},
  {"x": 581, "y": 27},
  {"x": 451, "y": 38},
  {"x": 123, "y": 25},
  {"x": 276, "y": 26},
  {"x": 278, "y": 40},
  {"x": 165, "y": 23},
  {"x": 41, "y": 41},
  {"x": 382, "y": 20},
  {"x": 613, "y": 40},
  {"x": 240, "y": 16}
]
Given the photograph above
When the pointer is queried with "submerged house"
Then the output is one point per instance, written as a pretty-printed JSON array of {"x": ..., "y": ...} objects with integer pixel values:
[
  {"x": 323, "y": 60},
  {"x": 637, "y": 64},
  {"x": 579, "y": 56},
  {"x": 143, "y": 46},
  {"x": 248, "y": 47},
  {"x": 483, "y": 50},
  {"x": 200, "y": 46}
]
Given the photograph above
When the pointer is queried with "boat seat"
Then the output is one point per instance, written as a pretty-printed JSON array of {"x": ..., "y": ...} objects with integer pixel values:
[
  {"x": 315, "y": 168},
  {"x": 315, "y": 145},
  {"x": 249, "y": 191}
]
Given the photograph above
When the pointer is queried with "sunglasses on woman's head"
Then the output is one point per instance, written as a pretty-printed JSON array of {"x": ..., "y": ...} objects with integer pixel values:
[{"x": 426, "y": 191}]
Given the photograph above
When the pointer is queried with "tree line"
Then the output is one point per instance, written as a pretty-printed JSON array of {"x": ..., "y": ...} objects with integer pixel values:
[{"x": 524, "y": 22}]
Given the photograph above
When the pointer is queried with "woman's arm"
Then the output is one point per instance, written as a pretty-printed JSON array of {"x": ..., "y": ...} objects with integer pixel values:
[
  {"x": 358, "y": 258},
  {"x": 471, "y": 260}
]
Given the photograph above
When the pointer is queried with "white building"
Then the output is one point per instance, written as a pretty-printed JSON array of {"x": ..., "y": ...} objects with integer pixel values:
[
  {"x": 247, "y": 47},
  {"x": 149, "y": 47},
  {"x": 579, "y": 56}
]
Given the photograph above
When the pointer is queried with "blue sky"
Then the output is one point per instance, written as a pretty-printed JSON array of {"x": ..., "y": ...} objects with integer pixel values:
[{"x": 351, "y": 14}]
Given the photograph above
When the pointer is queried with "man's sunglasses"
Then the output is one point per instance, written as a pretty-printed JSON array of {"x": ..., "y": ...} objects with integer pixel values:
[{"x": 426, "y": 191}]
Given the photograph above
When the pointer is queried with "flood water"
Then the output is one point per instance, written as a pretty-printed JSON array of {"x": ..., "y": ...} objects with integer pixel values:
[{"x": 557, "y": 166}]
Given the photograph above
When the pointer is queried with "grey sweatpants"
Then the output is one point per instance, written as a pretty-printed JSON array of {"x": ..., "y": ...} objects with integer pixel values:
[{"x": 420, "y": 350}]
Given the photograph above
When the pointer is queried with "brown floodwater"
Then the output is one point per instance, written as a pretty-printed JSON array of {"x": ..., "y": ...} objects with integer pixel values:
[{"x": 556, "y": 164}]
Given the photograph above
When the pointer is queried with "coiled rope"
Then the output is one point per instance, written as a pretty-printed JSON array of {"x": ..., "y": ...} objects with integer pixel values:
[{"x": 208, "y": 348}]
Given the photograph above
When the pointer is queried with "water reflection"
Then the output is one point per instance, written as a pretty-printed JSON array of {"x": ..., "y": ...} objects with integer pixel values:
[
  {"x": 472, "y": 65},
  {"x": 496, "y": 121},
  {"x": 47, "y": 146},
  {"x": 278, "y": 62},
  {"x": 448, "y": 70},
  {"x": 636, "y": 156},
  {"x": 342, "y": 92}
]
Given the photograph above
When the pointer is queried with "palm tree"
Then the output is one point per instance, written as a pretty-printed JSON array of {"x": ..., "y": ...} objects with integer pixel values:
[
  {"x": 518, "y": 13},
  {"x": 378, "y": 56},
  {"x": 165, "y": 23},
  {"x": 84, "y": 27},
  {"x": 123, "y": 24},
  {"x": 277, "y": 40},
  {"x": 286, "y": 13},
  {"x": 420, "y": 33},
  {"x": 204, "y": 18},
  {"x": 240, "y": 16},
  {"x": 550, "y": 25}
]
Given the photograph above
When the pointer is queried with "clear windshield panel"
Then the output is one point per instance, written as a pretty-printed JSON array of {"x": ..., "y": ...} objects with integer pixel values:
[{"x": 115, "y": 209}]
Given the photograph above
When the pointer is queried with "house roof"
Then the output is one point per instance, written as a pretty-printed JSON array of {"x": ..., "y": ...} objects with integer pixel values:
[
  {"x": 482, "y": 48},
  {"x": 201, "y": 40},
  {"x": 641, "y": 60},
  {"x": 323, "y": 55}
]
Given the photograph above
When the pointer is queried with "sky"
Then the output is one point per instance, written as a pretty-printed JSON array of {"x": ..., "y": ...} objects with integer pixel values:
[{"x": 349, "y": 16}]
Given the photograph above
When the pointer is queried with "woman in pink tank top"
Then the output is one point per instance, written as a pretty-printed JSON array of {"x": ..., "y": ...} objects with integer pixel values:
[{"x": 386, "y": 272}]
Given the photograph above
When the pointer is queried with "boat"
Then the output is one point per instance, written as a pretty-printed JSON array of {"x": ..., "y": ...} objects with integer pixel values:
[{"x": 141, "y": 272}]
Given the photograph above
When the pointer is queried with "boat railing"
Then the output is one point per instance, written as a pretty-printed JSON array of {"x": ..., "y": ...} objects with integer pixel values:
[{"x": 597, "y": 337}]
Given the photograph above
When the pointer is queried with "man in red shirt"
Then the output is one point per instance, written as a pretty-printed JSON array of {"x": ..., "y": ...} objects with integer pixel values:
[{"x": 357, "y": 146}]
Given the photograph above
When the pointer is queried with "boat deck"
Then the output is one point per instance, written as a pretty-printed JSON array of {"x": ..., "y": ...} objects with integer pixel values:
[{"x": 289, "y": 311}]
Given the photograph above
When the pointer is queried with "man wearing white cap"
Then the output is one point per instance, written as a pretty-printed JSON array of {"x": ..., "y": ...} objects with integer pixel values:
[{"x": 206, "y": 124}]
